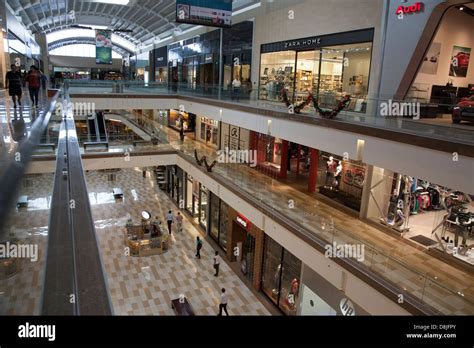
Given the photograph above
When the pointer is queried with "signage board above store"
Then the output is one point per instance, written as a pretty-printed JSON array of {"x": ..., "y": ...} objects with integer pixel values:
[
  {"x": 243, "y": 221},
  {"x": 415, "y": 8},
  {"x": 308, "y": 43}
]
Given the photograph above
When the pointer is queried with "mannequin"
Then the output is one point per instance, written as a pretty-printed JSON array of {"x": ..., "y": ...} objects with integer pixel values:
[
  {"x": 338, "y": 174},
  {"x": 331, "y": 167}
]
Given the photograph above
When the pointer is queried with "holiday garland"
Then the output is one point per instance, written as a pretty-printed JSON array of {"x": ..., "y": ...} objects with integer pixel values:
[
  {"x": 334, "y": 112},
  {"x": 323, "y": 113},
  {"x": 204, "y": 160}
]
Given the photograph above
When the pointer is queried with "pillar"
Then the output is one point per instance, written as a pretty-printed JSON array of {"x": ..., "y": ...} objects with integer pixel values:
[
  {"x": 313, "y": 169},
  {"x": 284, "y": 159}
]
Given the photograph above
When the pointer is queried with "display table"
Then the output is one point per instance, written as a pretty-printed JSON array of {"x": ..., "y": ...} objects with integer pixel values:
[{"x": 181, "y": 306}]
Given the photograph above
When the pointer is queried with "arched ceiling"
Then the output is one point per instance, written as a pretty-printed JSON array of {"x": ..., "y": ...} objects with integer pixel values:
[
  {"x": 88, "y": 41},
  {"x": 148, "y": 20}
]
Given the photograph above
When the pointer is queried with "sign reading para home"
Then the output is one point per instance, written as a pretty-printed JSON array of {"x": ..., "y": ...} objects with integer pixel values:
[
  {"x": 243, "y": 221},
  {"x": 415, "y": 8}
]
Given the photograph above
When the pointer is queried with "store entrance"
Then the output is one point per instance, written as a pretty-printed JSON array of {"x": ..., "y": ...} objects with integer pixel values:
[
  {"x": 307, "y": 72},
  {"x": 244, "y": 243}
]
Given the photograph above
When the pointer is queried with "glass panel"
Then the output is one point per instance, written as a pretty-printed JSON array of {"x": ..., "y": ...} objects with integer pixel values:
[
  {"x": 290, "y": 282},
  {"x": 307, "y": 73},
  {"x": 330, "y": 84},
  {"x": 276, "y": 72},
  {"x": 248, "y": 254},
  {"x": 203, "y": 207},
  {"x": 224, "y": 223},
  {"x": 214, "y": 228},
  {"x": 271, "y": 269},
  {"x": 189, "y": 195}
]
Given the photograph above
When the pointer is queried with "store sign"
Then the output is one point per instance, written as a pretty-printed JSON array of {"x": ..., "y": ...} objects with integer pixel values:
[
  {"x": 415, "y": 8},
  {"x": 302, "y": 43},
  {"x": 243, "y": 221},
  {"x": 209, "y": 121}
]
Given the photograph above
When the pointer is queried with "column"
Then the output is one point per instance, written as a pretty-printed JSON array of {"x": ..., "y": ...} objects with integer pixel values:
[
  {"x": 284, "y": 159},
  {"x": 313, "y": 169}
]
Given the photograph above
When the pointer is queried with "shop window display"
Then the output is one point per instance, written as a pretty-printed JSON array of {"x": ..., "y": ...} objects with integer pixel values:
[
  {"x": 214, "y": 212},
  {"x": 276, "y": 72},
  {"x": 177, "y": 119},
  {"x": 203, "y": 206},
  {"x": 341, "y": 180},
  {"x": 224, "y": 223},
  {"x": 329, "y": 74},
  {"x": 426, "y": 213},
  {"x": 281, "y": 276}
]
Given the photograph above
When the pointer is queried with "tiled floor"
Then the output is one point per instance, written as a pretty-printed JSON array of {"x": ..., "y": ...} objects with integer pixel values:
[
  {"x": 20, "y": 294},
  {"x": 146, "y": 285},
  {"x": 446, "y": 287}
]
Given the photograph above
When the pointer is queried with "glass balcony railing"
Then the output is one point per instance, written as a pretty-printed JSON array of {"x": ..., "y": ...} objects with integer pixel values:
[
  {"x": 436, "y": 291},
  {"x": 405, "y": 121}
]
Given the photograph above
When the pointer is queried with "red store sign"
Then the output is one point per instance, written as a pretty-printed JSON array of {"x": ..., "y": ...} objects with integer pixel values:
[
  {"x": 244, "y": 222},
  {"x": 415, "y": 8}
]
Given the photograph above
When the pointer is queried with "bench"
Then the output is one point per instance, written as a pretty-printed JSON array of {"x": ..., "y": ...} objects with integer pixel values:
[
  {"x": 22, "y": 201},
  {"x": 118, "y": 193},
  {"x": 181, "y": 306}
]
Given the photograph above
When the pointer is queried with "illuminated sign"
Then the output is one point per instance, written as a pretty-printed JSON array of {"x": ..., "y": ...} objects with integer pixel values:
[
  {"x": 415, "y": 8},
  {"x": 243, "y": 221}
]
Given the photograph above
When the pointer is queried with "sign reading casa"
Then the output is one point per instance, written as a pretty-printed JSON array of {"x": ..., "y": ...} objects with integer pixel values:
[{"x": 415, "y": 8}]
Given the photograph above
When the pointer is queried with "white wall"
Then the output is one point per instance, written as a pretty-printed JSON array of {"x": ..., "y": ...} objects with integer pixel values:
[
  {"x": 456, "y": 29},
  {"x": 313, "y": 18},
  {"x": 83, "y": 62}
]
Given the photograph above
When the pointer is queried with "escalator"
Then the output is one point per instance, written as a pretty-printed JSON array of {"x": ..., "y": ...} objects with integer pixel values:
[{"x": 97, "y": 130}]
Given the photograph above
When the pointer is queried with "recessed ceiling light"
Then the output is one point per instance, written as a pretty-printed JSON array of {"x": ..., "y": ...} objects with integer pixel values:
[{"x": 461, "y": 8}]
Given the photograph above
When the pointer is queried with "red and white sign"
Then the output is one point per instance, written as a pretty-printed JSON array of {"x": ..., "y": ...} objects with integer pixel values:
[
  {"x": 415, "y": 8},
  {"x": 243, "y": 221}
]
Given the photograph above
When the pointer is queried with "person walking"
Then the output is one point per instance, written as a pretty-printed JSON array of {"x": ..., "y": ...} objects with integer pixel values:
[
  {"x": 236, "y": 85},
  {"x": 179, "y": 222},
  {"x": 34, "y": 83},
  {"x": 13, "y": 84},
  {"x": 198, "y": 247},
  {"x": 169, "y": 219},
  {"x": 217, "y": 261},
  {"x": 223, "y": 304}
]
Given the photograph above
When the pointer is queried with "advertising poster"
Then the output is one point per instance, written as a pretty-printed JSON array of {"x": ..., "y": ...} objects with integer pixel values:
[
  {"x": 459, "y": 61},
  {"x": 430, "y": 63},
  {"x": 217, "y": 13},
  {"x": 103, "y": 47}
]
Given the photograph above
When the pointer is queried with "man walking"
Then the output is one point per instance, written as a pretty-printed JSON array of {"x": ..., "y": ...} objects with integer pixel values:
[
  {"x": 223, "y": 304},
  {"x": 217, "y": 261},
  {"x": 34, "y": 83},
  {"x": 179, "y": 222},
  {"x": 198, "y": 247},
  {"x": 13, "y": 83},
  {"x": 169, "y": 219}
]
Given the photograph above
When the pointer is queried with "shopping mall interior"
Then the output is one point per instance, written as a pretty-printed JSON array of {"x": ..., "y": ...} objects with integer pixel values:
[{"x": 310, "y": 163}]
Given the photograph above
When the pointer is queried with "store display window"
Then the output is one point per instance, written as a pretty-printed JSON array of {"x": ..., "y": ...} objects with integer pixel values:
[
  {"x": 281, "y": 276},
  {"x": 208, "y": 131},
  {"x": 428, "y": 214},
  {"x": 203, "y": 199},
  {"x": 328, "y": 73},
  {"x": 277, "y": 71},
  {"x": 214, "y": 220},
  {"x": 223, "y": 223},
  {"x": 269, "y": 151},
  {"x": 341, "y": 180},
  {"x": 177, "y": 119}
]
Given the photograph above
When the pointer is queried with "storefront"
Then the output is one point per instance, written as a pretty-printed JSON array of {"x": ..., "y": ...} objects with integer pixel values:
[
  {"x": 194, "y": 63},
  {"x": 159, "y": 57},
  {"x": 234, "y": 138},
  {"x": 177, "y": 119},
  {"x": 433, "y": 216},
  {"x": 272, "y": 154},
  {"x": 445, "y": 75},
  {"x": 341, "y": 179},
  {"x": 327, "y": 66},
  {"x": 175, "y": 183},
  {"x": 207, "y": 131},
  {"x": 281, "y": 276},
  {"x": 196, "y": 201},
  {"x": 219, "y": 221}
]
